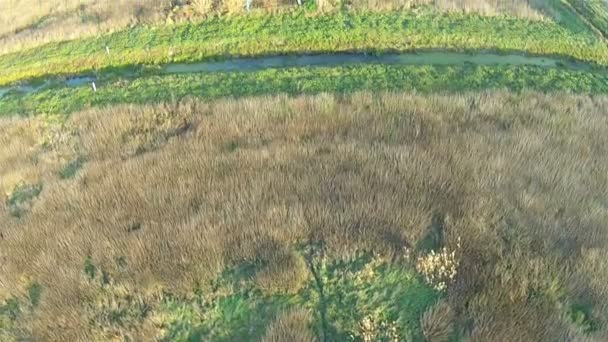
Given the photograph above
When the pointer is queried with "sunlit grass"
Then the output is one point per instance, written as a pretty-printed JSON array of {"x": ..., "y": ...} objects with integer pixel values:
[
  {"x": 295, "y": 81},
  {"x": 300, "y": 33}
]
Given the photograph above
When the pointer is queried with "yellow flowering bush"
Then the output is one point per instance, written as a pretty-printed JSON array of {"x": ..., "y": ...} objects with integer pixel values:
[
  {"x": 439, "y": 268},
  {"x": 374, "y": 329}
]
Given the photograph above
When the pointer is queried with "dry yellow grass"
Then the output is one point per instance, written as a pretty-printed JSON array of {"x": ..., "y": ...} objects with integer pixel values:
[
  {"x": 180, "y": 191},
  {"x": 520, "y": 8},
  {"x": 437, "y": 323},
  {"x": 27, "y": 23},
  {"x": 284, "y": 271}
]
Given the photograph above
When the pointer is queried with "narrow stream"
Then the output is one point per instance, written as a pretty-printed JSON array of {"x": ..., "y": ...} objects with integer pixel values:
[
  {"x": 333, "y": 60},
  {"x": 328, "y": 60}
]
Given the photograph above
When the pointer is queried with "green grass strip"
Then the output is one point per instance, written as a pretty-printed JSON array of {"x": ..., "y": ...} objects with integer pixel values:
[
  {"x": 298, "y": 33},
  {"x": 295, "y": 81}
]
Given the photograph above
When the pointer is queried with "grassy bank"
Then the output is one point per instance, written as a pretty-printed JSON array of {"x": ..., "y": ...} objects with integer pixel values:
[
  {"x": 218, "y": 218},
  {"x": 296, "y": 81},
  {"x": 595, "y": 11},
  {"x": 298, "y": 33},
  {"x": 29, "y": 23}
]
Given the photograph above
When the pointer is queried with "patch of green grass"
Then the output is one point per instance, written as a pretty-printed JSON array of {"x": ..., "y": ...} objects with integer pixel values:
[
  {"x": 235, "y": 309},
  {"x": 299, "y": 33},
  {"x": 10, "y": 312},
  {"x": 89, "y": 268},
  {"x": 34, "y": 293},
  {"x": 13, "y": 309},
  {"x": 581, "y": 316},
  {"x": 369, "y": 287},
  {"x": 231, "y": 310},
  {"x": 10, "y": 309},
  {"x": 21, "y": 198},
  {"x": 297, "y": 81},
  {"x": 231, "y": 146}
]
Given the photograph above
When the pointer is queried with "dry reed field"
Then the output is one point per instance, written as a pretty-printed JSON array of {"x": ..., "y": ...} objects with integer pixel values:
[
  {"x": 530, "y": 9},
  {"x": 27, "y": 23},
  {"x": 34, "y": 22},
  {"x": 178, "y": 192}
]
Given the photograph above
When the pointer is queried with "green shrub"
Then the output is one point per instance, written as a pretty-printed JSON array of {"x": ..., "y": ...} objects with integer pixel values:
[
  {"x": 70, "y": 170},
  {"x": 20, "y": 200}
]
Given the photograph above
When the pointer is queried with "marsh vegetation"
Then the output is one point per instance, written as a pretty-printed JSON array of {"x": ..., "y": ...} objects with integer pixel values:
[{"x": 191, "y": 218}]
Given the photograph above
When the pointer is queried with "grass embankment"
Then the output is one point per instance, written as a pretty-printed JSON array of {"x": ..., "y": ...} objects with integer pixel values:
[
  {"x": 141, "y": 240},
  {"x": 595, "y": 11},
  {"x": 29, "y": 23},
  {"x": 294, "y": 81},
  {"x": 299, "y": 33}
]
